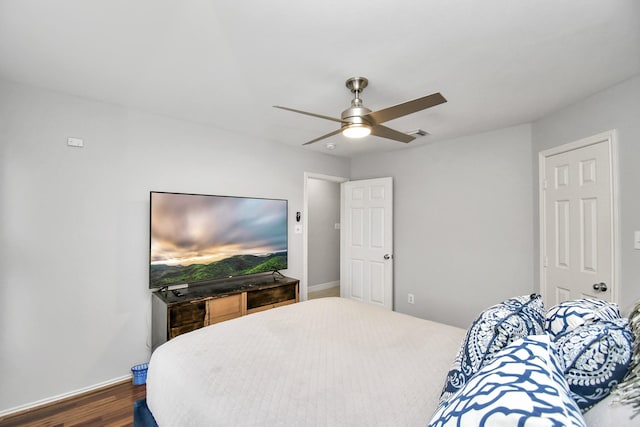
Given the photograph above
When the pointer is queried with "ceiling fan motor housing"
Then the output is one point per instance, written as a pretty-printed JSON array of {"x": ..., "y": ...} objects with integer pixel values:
[{"x": 354, "y": 116}]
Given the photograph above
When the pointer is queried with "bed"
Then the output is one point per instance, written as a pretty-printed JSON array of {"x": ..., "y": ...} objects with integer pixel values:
[
  {"x": 338, "y": 362},
  {"x": 318, "y": 362}
]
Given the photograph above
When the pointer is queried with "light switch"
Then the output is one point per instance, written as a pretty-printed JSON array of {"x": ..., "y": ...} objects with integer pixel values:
[{"x": 636, "y": 239}]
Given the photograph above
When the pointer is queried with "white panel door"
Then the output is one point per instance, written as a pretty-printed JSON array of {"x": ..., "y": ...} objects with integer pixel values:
[
  {"x": 367, "y": 241},
  {"x": 578, "y": 227}
]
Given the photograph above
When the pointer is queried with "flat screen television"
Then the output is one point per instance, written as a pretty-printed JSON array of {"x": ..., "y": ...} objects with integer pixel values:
[{"x": 198, "y": 238}]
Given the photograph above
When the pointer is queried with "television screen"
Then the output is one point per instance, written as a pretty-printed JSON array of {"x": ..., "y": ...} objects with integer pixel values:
[{"x": 199, "y": 238}]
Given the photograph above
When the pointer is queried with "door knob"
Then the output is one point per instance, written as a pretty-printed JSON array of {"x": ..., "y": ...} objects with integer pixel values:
[
  {"x": 387, "y": 256},
  {"x": 602, "y": 287}
]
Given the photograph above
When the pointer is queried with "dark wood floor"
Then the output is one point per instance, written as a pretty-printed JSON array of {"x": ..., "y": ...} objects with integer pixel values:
[{"x": 111, "y": 406}]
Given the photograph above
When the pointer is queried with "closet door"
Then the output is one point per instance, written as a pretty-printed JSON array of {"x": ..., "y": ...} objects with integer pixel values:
[{"x": 578, "y": 221}]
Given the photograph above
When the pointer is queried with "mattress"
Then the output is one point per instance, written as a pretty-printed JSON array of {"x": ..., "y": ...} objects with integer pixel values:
[{"x": 323, "y": 362}]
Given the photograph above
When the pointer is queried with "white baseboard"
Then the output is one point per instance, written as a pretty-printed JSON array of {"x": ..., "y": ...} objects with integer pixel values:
[
  {"x": 323, "y": 286},
  {"x": 50, "y": 400}
]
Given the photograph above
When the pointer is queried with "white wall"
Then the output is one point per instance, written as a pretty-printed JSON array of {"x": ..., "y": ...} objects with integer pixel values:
[
  {"x": 462, "y": 222},
  {"x": 74, "y": 226},
  {"x": 615, "y": 108},
  {"x": 324, "y": 239}
]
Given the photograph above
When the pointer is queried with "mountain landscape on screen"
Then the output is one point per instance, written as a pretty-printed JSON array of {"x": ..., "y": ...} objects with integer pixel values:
[
  {"x": 198, "y": 238},
  {"x": 239, "y": 265}
]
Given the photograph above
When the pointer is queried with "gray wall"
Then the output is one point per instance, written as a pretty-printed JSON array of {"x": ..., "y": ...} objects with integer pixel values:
[
  {"x": 463, "y": 237},
  {"x": 324, "y": 239},
  {"x": 615, "y": 108},
  {"x": 74, "y": 224}
]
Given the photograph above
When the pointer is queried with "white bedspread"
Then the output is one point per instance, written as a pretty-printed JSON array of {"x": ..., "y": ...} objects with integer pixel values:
[{"x": 324, "y": 362}]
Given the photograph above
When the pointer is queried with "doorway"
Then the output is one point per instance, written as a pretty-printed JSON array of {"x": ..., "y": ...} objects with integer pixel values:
[{"x": 321, "y": 235}]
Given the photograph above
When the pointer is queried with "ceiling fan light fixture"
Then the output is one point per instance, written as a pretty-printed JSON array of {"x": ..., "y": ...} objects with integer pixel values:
[{"x": 356, "y": 130}]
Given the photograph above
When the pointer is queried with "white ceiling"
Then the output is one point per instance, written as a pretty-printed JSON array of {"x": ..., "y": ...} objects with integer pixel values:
[{"x": 225, "y": 63}]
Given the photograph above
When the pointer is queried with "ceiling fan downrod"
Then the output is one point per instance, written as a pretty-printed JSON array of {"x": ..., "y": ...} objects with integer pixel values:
[{"x": 356, "y": 86}]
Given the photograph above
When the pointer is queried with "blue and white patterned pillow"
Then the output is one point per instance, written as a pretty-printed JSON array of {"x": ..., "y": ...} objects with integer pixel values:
[
  {"x": 523, "y": 385},
  {"x": 595, "y": 357},
  {"x": 494, "y": 329},
  {"x": 568, "y": 315}
]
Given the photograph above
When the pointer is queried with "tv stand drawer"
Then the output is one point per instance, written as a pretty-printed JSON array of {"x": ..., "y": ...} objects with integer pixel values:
[
  {"x": 184, "y": 314},
  {"x": 271, "y": 296},
  {"x": 226, "y": 308}
]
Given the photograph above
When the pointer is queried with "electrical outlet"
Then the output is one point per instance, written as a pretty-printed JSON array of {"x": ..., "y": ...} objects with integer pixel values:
[{"x": 411, "y": 298}]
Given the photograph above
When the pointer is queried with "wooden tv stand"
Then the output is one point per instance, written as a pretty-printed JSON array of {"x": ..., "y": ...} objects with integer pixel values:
[{"x": 204, "y": 305}]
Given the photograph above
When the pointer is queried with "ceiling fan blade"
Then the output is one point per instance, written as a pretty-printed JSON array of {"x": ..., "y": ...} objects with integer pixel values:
[
  {"x": 309, "y": 114},
  {"x": 385, "y": 132},
  {"x": 323, "y": 137},
  {"x": 405, "y": 108}
]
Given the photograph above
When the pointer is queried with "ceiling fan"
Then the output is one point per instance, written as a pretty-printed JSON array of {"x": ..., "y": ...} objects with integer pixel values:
[{"x": 358, "y": 121}]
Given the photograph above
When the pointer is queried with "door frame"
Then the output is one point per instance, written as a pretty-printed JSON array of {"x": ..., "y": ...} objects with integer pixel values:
[
  {"x": 304, "y": 283},
  {"x": 611, "y": 138}
]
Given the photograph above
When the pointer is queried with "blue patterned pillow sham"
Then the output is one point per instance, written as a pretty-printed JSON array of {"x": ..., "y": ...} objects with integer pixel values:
[
  {"x": 522, "y": 385},
  {"x": 494, "y": 329},
  {"x": 568, "y": 315},
  {"x": 595, "y": 357}
]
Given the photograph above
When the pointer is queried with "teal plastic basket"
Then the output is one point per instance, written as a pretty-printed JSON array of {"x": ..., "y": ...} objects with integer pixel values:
[{"x": 139, "y": 373}]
